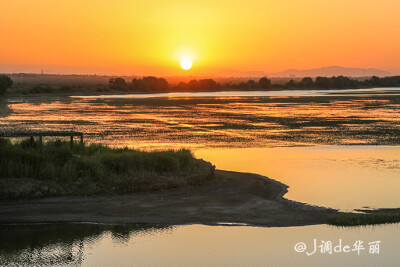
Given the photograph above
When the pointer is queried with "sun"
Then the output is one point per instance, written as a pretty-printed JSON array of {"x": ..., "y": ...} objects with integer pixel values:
[{"x": 186, "y": 64}]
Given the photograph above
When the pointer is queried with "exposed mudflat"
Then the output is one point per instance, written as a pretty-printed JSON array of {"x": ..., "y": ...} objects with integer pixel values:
[{"x": 230, "y": 197}]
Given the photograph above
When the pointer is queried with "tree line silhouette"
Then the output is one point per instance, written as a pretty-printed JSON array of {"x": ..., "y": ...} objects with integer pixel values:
[
  {"x": 152, "y": 84},
  {"x": 5, "y": 83}
]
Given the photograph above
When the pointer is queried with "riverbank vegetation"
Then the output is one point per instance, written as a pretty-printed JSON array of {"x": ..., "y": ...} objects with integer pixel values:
[
  {"x": 97, "y": 167},
  {"x": 69, "y": 84},
  {"x": 160, "y": 85},
  {"x": 368, "y": 217}
]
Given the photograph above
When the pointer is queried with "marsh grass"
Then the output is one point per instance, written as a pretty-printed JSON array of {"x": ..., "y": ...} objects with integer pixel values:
[
  {"x": 380, "y": 216},
  {"x": 55, "y": 160}
]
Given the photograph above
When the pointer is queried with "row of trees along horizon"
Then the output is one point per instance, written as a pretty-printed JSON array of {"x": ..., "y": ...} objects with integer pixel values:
[{"x": 152, "y": 84}]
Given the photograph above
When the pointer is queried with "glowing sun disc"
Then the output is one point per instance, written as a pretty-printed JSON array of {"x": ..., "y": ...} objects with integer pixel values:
[{"x": 186, "y": 64}]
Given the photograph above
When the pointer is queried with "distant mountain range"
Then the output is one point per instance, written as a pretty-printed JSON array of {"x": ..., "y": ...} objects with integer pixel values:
[
  {"x": 324, "y": 71},
  {"x": 238, "y": 73},
  {"x": 331, "y": 71}
]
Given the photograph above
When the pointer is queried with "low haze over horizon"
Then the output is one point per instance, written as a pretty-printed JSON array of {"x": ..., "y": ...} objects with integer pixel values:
[{"x": 154, "y": 38}]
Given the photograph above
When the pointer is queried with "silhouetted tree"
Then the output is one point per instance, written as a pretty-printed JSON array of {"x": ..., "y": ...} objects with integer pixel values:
[
  {"x": 374, "y": 81},
  {"x": 5, "y": 83},
  {"x": 306, "y": 82},
  {"x": 251, "y": 84},
  {"x": 194, "y": 85},
  {"x": 137, "y": 85},
  {"x": 290, "y": 84},
  {"x": 150, "y": 84},
  {"x": 155, "y": 84},
  {"x": 322, "y": 82},
  {"x": 341, "y": 82},
  {"x": 162, "y": 84},
  {"x": 208, "y": 84},
  {"x": 117, "y": 83},
  {"x": 392, "y": 81},
  {"x": 182, "y": 86},
  {"x": 264, "y": 83}
]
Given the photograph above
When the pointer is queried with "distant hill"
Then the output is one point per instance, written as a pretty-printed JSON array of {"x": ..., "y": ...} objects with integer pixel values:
[
  {"x": 331, "y": 71},
  {"x": 237, "y": 73}
]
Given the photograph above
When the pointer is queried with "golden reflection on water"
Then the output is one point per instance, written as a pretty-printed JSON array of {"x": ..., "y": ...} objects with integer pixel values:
[
  {"x": 340, "y": 177},
  {"x": 196, "y": 245},
  {"x": 202, "y": 123}
]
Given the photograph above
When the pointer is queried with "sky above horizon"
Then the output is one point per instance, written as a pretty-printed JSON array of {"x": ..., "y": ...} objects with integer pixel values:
[{"x": 151, "y": 37}]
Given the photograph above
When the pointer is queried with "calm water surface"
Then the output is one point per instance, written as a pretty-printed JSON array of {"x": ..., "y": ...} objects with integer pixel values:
[
  {"x": 368, "y": 91},
  {"x": 341, "y": 177},
  {"x": 336, "y": 149},
  {"x": 192, "y": 245}
]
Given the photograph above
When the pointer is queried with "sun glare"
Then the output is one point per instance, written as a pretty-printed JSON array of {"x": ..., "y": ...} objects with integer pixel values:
[{"x": 186, "y": 64}]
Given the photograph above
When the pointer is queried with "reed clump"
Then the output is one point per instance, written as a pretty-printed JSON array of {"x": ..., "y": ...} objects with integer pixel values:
[{"x": 56, "y": 160}]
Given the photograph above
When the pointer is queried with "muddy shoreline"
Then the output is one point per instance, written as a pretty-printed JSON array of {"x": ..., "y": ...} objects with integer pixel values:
[{"x": 231, "y": 197}]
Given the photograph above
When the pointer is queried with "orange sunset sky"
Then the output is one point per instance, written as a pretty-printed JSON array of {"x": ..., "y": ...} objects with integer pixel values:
[{"x": 151, "y": 37}]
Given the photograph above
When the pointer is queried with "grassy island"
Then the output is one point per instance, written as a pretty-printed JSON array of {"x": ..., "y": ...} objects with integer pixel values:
[{"x": 94, "y": 168}]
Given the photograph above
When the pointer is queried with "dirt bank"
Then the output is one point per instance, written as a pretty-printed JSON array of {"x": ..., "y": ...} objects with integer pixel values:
[{"x": 230, "y": 197}]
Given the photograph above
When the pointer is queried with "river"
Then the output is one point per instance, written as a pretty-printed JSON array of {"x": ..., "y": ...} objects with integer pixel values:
[{"x": 337, "y": 148}]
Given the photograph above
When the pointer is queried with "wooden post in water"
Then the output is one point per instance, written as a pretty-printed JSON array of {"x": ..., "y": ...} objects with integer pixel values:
[{"x": 41, "y": 134}]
